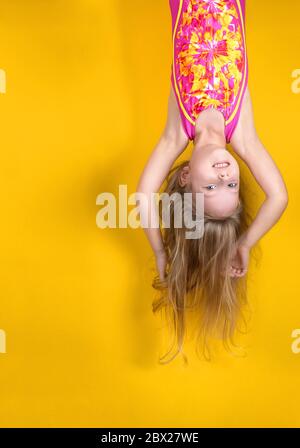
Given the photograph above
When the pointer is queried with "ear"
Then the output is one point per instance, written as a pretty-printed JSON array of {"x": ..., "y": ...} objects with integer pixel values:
[{"x": 184, "y": 176}]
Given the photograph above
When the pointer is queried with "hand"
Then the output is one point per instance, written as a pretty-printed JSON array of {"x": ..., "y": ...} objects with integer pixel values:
[
  {"x": 161, "y": 262},
  {"x": 239, "y": 261}
]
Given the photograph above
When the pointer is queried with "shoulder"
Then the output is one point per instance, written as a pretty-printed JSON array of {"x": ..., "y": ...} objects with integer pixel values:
[{"x": 245, "y": 136}]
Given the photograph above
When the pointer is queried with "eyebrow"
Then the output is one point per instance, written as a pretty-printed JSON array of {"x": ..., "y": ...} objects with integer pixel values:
[{"x": 213, "y": 193}]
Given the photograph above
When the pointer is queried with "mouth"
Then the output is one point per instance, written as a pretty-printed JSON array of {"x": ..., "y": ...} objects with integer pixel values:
[{"x": 221, "y": 164}]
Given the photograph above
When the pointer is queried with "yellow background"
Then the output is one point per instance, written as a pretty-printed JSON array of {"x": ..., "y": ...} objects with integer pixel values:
[{"x": 85, "y": 103}]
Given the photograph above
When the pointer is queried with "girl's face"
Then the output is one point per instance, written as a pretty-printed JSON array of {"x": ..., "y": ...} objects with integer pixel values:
[{"x": 215, "y": 173}]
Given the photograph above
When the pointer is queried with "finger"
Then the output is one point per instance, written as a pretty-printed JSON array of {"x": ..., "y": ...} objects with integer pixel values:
[
  {"x": 235, "y": 267},
  {"x": 237, "y": 272}
]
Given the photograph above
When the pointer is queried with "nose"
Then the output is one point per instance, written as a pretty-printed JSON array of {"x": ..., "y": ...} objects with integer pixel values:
[{"x": 224, "y": 175}]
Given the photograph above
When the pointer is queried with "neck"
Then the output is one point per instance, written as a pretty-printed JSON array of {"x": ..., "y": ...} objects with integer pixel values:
[{"x": 210, "y": 137}]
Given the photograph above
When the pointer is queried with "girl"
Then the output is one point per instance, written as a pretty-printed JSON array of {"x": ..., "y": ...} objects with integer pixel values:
[{"x": 209, "y": 104}]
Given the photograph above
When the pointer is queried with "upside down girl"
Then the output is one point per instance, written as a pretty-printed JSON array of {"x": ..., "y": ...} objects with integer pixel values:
[{"x": 210, "y": 105}]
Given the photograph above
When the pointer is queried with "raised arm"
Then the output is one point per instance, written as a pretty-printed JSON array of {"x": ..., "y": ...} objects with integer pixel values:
[
  {"x": 171, "y": 144},
  {"x": 248, "y": 146}
]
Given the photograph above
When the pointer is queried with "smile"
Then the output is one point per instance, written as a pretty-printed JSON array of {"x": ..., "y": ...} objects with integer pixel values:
[{"x": 221, "y": 164}]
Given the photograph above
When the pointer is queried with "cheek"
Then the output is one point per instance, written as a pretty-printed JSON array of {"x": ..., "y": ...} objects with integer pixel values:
[
  {"x": 200, "y": 181},
  {"x": 202, "y": 172},
  {"x": 236, "y": 166}
]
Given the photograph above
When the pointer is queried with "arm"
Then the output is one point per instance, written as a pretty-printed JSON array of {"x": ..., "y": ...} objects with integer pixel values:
[
  {"x": 269, "y": 178},
  {"x": 171, "y": 144},
  {"x": 248, "y": 146}
]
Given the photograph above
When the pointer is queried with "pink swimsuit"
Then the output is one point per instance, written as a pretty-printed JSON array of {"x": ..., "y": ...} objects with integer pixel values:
[{"x": 209, "y": 67}]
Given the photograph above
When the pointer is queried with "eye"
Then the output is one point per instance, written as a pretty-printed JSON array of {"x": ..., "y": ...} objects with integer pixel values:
[
  {"x": 233, "y": 184},
  {"x": 210, "y": 187}
]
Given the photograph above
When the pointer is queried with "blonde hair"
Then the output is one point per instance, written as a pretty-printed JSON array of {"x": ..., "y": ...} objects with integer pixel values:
[{"x": 197, "y": 275}]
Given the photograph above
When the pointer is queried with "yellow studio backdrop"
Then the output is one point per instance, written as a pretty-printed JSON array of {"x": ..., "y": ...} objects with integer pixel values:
[{"x": 85, "y": 101}]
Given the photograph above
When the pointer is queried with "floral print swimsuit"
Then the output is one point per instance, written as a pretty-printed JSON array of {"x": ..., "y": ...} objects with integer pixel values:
[{"x": 209, "y": 67}]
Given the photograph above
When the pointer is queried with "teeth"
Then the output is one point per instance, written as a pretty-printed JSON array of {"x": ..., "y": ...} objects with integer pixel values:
[{"x": 220, "y": 165}]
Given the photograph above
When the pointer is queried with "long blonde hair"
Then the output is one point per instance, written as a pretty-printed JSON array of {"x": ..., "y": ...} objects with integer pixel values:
[{"x": 197, "y": 277}]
